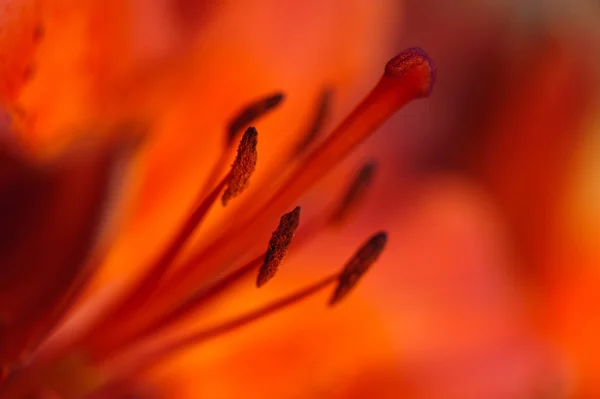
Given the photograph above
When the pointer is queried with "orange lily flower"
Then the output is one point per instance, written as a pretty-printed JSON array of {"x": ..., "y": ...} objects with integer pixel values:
[
  {"x": 163, "y": 81},
  {"x": 487, "y": 206}
]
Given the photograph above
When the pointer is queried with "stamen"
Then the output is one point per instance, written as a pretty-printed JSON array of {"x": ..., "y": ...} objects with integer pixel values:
[
  {"x": 278, "y": 245},
  {"x": 241, "y": 120},
  {"x": 250, "y": 113},
  {"x": 162, "y": 264},
  {"x": 140, "y": 293},
  {"x": 38, "y": 33},
  {"x": 256, "y": 314},
  {"x": 407, "y": 77},
  {"x": 358, "y": 265},
  {"x": 243, "y": 166},
  {"x": 193, "y": 304},
  {"x": 315, "y": 128},
  {"x": 137, "y": 359},
  {"x": 355, "y": 193},
  {"x": 138, "y": 363}
]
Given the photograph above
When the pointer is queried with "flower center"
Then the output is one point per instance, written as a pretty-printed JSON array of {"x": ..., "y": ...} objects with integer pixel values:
[{"x": 171, "y": 290}]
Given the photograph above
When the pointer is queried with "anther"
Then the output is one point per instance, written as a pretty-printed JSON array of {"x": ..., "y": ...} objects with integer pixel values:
[
  {"x": 355, "y": 193},
  {"x": 38, "y": 33},
  {"x": 315, "y": 128},
  {"x": 358, "y": 265},
  {"x": 243, "y": 166},
  {"x": 250, "y": 113},
  {"x": 278, "y": 245}
]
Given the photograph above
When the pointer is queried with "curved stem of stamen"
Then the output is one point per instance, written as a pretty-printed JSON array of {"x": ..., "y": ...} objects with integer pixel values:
[
  {"x": 190, "y": 305},
  {"x": 241, "y": 321},
  {"x": 146, "y": 286},
  {"x": 135, "y": 363},
  {"x": 216, "y": 170},
  {"x": 202, "y": 298}
]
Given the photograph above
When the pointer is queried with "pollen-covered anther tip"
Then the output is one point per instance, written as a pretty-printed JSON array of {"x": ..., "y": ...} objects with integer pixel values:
[
  {"x": 243, "y": 166},
  {"x": 416, "y": 64},
  {"x": 358, "y": 265},
  {"x": 278, "y": 245}
]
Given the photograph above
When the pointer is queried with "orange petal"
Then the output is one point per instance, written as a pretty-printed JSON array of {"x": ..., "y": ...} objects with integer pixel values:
[{"x": 53, "y": 214}]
